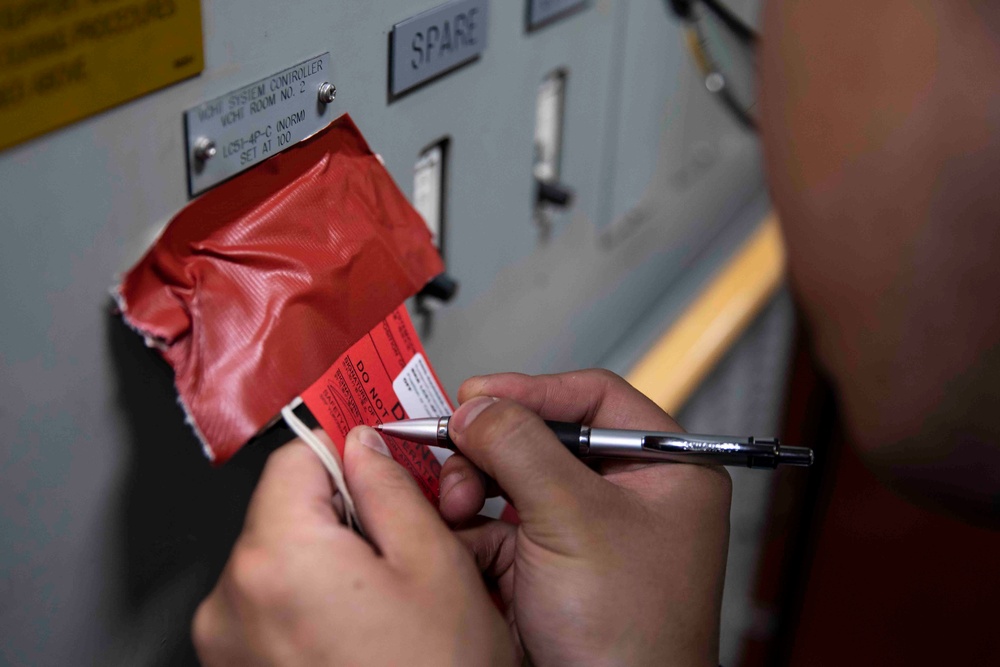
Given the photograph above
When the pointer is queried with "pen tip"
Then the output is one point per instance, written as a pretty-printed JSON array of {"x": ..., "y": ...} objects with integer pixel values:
[{"x": 377, "y": 427}]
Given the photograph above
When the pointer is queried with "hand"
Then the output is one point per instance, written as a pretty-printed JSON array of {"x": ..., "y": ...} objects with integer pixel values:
[
  {"x": 301, "y": 589},
  {"x": 618, "y": 565}
]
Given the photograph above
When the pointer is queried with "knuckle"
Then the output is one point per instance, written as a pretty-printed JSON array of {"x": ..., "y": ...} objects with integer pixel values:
[
  {"x": 473, "y": 386},
  {"x": 463, "y": 471},
  {"x": 386, "y": 475},
  {"x": 390, "y": 477},
  {"x": 504, "y": 421},
  {"x": 455, "y": 463},
  {"x": 289, "y": 455},
  {"x": 602, "y": 377},
  {"x": 203, "y": 633},
  {"x": 257, "y": 577},
  {"x": 605, "y": 376},
  {"x": 606, "y": 382}
]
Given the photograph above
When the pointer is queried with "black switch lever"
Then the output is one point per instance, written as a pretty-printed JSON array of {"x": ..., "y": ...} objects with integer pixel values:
[
  {"x": 442, "y": 287},
  {"x": 553, "y": 193}
]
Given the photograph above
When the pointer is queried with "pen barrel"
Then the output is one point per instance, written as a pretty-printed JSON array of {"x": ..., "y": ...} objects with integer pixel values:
[
  {"x": 587, "y": 442},
  {"x": 574, "y": 437}
]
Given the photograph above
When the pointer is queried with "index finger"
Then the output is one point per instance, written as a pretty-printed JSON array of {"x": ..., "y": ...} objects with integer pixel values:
[
  {"x": 594, "y": 397},
  {"x": 397, "y": 517}
]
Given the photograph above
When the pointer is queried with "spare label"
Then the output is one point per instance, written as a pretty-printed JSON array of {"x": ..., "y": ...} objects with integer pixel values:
[{"x": 436, "y": 41}]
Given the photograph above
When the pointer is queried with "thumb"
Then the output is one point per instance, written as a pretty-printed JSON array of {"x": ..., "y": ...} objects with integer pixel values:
[
  {"x": 395, "y": 514},
  {"x": 511, "y": 444}
]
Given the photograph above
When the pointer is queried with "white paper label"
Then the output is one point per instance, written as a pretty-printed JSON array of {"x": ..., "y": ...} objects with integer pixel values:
[{"x": 419, "y": 392}]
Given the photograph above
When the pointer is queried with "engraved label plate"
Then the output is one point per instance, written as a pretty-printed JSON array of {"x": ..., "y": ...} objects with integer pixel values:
[
  {"x": 252, "y": 123},
  {"x": 543, "y": 11},
  {"x": 438, "y": 40}
]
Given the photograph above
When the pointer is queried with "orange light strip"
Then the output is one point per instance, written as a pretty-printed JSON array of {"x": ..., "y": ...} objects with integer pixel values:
[{"x": 676, "y": 364}]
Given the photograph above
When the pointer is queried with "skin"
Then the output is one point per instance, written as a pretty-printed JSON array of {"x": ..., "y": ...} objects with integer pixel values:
[
  {"x": 619, "y": 565},
  {"x": 881, "y": 134},
  {"x": 302, "y": 589}
]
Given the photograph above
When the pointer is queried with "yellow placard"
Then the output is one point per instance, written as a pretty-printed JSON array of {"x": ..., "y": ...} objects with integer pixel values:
[{"x": 63, "y": 60}]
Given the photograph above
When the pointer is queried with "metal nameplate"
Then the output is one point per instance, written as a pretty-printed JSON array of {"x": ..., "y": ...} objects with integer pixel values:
[
  {"x": 240, "y": 129},
  {"x": 543, "y": 11},
  {"x": 438, "y": 40}
]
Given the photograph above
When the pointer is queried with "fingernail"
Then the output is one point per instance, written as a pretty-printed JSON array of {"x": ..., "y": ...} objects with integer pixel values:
[
  {"x": 449, "y": 482},
  {"x": 468, "y": 412},
  {"x": 370, "y": 438}
]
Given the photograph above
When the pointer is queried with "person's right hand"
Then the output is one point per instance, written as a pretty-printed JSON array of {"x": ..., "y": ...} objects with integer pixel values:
[{"x": 622, "y": 565}]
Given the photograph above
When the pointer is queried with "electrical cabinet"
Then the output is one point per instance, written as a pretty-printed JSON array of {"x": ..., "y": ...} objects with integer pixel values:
[{"x": 113, "y": 525}]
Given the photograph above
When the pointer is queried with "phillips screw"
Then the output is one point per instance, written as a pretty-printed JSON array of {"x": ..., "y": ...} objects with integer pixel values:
[
  {"x": 205, "y": 149},
  {"x": 327, "y": 93}
]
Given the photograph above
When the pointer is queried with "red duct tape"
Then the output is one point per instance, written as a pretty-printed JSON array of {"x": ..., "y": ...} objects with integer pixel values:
[{"x": 256, "y": 288}]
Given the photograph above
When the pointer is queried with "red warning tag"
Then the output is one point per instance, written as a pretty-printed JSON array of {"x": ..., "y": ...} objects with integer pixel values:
[{"x": 384, "y": 377}]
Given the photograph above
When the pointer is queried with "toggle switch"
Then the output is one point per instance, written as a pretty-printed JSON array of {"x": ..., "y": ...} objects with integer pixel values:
[
  {"x": 554, "y": 194},
  {"x": 429, "y": 188},
  {"x": 434, "y": 295},
  {"x": 442, "y": 288},
  {"x": 550, "y": 195}
]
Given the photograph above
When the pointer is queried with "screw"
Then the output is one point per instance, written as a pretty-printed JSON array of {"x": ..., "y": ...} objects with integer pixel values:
[
  {"x": 327, "y": 93},
  {"x": 205, "y": 149},
  {"x": 715, "y": 82}
]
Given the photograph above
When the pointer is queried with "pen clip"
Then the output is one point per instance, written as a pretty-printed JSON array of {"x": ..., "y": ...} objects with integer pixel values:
[
  {"x": 719, "y": 450},
  {"x": 681, "y": 443}
]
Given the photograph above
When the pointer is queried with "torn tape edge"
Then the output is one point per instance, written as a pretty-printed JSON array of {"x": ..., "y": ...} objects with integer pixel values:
[
  {"x": 122, "y": 305},
  {"x": 151, "y": 342}
]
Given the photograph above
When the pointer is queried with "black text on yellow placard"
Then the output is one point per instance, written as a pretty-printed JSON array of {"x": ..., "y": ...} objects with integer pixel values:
[{"x": 63, "y": 60}]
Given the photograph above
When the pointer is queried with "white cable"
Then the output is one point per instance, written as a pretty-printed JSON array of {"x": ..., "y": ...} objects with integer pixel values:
[{"x": 330, "y": 461}]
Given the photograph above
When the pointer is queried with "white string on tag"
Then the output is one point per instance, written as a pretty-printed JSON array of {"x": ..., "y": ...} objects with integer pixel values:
[{"x": 329, "y": 459}]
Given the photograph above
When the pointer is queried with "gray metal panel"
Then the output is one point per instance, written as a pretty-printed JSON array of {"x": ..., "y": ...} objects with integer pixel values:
[
  {"x": 113, "y": 525},
  {"x": 667, "y": 130}
]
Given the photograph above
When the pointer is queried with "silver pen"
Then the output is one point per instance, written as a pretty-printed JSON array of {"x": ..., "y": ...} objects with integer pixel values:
[{"x": 587, "y": 442}]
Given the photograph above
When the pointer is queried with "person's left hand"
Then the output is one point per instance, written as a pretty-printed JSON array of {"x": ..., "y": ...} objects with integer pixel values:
[{"x": 302, "y": 589}]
